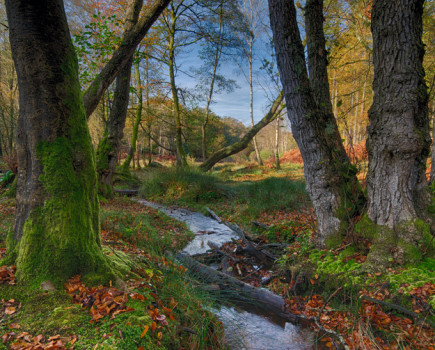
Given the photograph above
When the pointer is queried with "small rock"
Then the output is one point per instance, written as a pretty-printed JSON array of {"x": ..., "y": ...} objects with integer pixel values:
[{"x": 48, "y": 286}]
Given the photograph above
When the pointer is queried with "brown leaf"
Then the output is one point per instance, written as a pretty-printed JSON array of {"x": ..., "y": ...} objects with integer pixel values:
[{"x": 10, "y": 310}]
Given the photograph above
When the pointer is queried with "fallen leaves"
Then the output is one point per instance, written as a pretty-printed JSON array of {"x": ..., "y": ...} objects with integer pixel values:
[
  {"x": 7, "y": 274},
  {"x": 102, "y": 301},
  {"x": 25, "y": 341}
]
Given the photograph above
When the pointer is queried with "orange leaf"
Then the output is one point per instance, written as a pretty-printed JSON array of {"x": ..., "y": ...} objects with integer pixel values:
[
  {"x": 153, "y": 326},
  {"x": 145, "y": 330}
]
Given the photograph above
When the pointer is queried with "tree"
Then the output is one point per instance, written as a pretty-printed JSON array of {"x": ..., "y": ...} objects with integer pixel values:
[
  {"x": 107, "y": 153},
  {"x": 220, "y": 39},
  {"x": 253, "y": 12},
  {"x": 331, "y": 179},
  {"x": 122, "y": 55},
  {"x": 398, "y": 135},
  {"x": 274, "y": 112},
  {"x": 180, "y": 21},
  {"x": 398, "y": 210},
  {"x": 57, "y": 222}
]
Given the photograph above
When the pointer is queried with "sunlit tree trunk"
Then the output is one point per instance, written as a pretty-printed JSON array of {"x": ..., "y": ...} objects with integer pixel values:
[{"x": 330, "y": 178}]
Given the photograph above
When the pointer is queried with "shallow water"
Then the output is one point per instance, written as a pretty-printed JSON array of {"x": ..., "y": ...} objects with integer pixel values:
[
  {"x": 246, "y": 327},
  {"x": 251, "y": 331},
  {"x": 205, "y": 229}
]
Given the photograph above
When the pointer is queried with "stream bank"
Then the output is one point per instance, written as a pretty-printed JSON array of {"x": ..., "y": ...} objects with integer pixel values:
[{"x": 246, "y": 325}]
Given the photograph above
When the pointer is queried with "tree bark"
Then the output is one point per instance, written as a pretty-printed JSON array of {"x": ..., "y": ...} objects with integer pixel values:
[
  {"x": 251, "y": 100},
  {"x": 109, "y": 146},
  {"x": 137, "y": 120},
  {"x": 274, "y": 111},
  {"x": 122, "y": 55},
  {"x": 181, "y": 154},
  {"x": 398, "y": 135},
  {"x": 331, "y": 180},
  {"x": 57, "y": 221}
]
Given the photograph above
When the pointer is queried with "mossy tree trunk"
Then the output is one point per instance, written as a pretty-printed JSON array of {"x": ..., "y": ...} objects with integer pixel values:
[
  {"x": 398, "y": 135},
  {"x": 331, "y": 179},
  {"x": 109, "y": 146},
  {"x": 57, "y": 221}
]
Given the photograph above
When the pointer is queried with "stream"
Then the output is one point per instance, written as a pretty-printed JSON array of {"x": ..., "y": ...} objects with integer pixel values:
[{"x": 245, "y": 326}]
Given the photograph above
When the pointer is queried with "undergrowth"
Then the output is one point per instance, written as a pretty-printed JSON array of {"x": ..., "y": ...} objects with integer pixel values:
[{"x": 164, "y": 310}]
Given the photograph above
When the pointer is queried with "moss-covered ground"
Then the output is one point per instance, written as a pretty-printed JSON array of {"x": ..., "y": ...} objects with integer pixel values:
[
  {"x": 392, "y": 307},
  {"x": 153, "y": 306}
]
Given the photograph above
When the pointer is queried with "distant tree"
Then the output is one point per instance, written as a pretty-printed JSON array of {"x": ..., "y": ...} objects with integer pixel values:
[
  {"x": 220, "y": 29},
  {"x": 274, "y": 112},
  {"x": 108, "y": 148},
  {"x": 254, "y": 12}
]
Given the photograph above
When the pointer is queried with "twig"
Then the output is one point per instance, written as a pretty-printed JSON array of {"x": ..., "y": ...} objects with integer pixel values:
[
  {"x": 213, "y": 214},
  {"x": 328, "y": 300},
  {"x": 399, "y": 308},
  {"x": 216, "y": 248},
  {"x": 335, "y": 334}
]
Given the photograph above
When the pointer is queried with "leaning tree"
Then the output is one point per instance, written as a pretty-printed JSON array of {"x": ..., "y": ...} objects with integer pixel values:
[
  {"x": 57, "y": 221},
  {"x": 397, "y": 210}
]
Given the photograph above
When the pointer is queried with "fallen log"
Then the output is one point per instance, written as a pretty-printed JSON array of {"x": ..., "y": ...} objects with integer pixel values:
[
  {"x": 243, "y": 292},
  {"x": 214, "y": 215},
  {"x": 399, "y": 308},
  {"x": 260, "y": 224},
  {"x": 250, "y": 248},
  {"x": 128, "y": 193}
]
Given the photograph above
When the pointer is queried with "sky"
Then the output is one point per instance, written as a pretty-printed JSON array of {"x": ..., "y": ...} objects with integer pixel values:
[{"x": 236, "y": 103}]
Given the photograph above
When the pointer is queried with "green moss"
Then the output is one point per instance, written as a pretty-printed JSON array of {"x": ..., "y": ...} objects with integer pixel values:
[
  {"x": 61, "y": 237},
  {"x": 12, "y": 190},
  {"x": 103, "y": 151},
  {"x": 366, "y": 228},
  {"x": 334, "y": 240}
]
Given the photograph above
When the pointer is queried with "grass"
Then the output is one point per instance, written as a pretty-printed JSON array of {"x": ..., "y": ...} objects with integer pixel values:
[
  {"x": 242, "y": 199},
  {"x": 139, "y": 237}
]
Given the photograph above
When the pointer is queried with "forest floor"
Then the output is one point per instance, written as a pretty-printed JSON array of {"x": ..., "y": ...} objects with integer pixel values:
[
  {"x": 161, "y": 306},
  {"x": 392, "y": 309}
]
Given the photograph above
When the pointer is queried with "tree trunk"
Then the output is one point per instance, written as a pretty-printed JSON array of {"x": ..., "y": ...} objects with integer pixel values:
[
  {"x": 251, "y": 101},
  {"x": 217, "y": 57},
  {"x": 139, "y": 89},
  {"x": 432, "y": 169},
  {"x": 181, "y": 155},
  {"x": 330, "y": 178},
  {"x": 122, "y": 55},
  {"x": 111, "y": 142},
  {"x": 277, "y": 164},
  {"x": 57, "y": 222},
  {"x": 398, "y": 135},
  {"x": 274, "y": 112}
]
